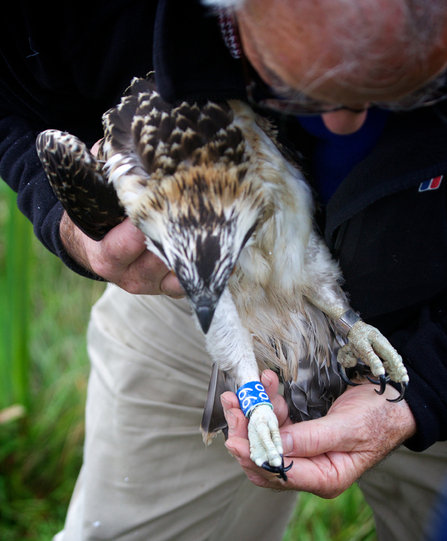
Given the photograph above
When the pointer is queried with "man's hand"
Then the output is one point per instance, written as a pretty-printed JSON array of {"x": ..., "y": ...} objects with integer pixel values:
[
  {"x": 122, "y": 258},
  {"x": 331, "y": 453}
]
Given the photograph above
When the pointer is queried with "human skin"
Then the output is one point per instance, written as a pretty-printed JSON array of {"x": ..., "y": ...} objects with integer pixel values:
[
  {"x": 330, "y": 453},
  {"x": 121, "y": 258}
]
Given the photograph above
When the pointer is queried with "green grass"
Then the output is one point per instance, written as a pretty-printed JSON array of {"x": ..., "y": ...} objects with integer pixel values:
[
  {"x": 346, "y": 518},
  {"x": 41, "y": 452}
]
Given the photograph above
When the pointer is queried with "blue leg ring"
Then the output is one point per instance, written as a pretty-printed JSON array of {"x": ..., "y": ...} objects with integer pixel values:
[{"x": 251, "y": 395}]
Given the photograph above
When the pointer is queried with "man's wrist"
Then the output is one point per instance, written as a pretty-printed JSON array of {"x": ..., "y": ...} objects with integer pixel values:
[{"x": 71, "y": 238}]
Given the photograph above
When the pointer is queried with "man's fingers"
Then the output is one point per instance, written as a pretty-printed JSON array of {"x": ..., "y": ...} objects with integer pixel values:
[
  {"x": 326, "y": 475},
  {"x": 95, "y": 147},
  {"x": 239, "y": 448},
  {"x": 171, "y": 286},
  {"x": 330, "y": 453},
  {"x": 122, "y": 258},
  {"x": 315, "y": 437},
  {"x": 229, "y": 400},
  {"x": 271, "y": 384},
  {"x": 119, "y": 248},
  {"x": 236, "y": 420}
]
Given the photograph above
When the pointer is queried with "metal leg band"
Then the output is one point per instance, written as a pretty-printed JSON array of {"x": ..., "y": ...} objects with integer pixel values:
[{"x": 347, "y": 321}]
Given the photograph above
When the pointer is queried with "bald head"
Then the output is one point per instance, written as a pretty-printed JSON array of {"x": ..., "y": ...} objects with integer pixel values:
[{"x": 345, "y": 51}]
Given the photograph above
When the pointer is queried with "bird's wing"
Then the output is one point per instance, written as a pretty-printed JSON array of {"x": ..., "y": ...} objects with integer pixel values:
[
  {"x": 77, "y": 179},
  {"x": 213, "y": 420},
  {"x": 314, "y": 390}
]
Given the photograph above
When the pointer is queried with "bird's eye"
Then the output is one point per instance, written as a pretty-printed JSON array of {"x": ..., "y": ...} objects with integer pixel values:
[{"x": 249, "y": 234}]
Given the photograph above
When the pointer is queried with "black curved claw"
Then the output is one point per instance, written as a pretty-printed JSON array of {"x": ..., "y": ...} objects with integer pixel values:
[
  {"x": 280, "y": 470},
  {"x": 403, "y": 389},
  {"x": 376, "y": 382},
  {"x": 383, "y": 382},
  {"x": 344, "y": 377}
]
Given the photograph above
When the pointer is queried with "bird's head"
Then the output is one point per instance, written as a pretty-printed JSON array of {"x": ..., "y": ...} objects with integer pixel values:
[{"x": 198, "y": 221}]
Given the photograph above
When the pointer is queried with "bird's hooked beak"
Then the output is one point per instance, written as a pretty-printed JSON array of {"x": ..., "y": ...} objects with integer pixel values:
[
  {"x": 204, "y": 300},
  {"x": 204, "y": 310},
  {"x": 205, "y": 274},
  {"x": 205, "y": 271},
  {"x": 204, "y": 297}
]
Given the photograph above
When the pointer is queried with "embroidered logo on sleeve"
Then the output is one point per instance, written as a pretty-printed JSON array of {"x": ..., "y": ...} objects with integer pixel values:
[{"x": 432, "y": 184}]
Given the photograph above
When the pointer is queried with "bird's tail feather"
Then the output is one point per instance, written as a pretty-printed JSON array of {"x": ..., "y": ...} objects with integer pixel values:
[
  {"x": 213, "y": 419},
  {"x": 315, "y": 389}
]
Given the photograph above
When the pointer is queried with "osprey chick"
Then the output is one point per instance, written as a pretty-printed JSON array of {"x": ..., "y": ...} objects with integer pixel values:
[{"x": 221, "y": 206}]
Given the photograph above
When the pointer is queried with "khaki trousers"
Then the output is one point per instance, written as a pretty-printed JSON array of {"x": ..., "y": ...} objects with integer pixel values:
[
  {"x": 147, "y": 475},
  {"x": 404, "y": 491}
]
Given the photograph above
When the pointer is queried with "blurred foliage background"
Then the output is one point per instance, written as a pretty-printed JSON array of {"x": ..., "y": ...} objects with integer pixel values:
[{"x": 44, "y": 311}]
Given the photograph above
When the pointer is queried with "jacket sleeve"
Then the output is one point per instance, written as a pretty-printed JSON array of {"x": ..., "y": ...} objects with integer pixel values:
[{"x": 423, "y": 346}]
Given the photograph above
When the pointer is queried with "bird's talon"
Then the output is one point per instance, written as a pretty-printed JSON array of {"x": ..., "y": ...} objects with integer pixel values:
[
  {"x": 344, "y": 377},
  {"x": 377, "y": 382},
  {"x": 280, "y": 470},
  {"x": 403, "y": 389},
  {"x": 382, "y": 381}
]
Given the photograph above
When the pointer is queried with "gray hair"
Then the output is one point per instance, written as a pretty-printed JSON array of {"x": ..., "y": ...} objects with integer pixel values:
[
  {"x": 419, "y": 30},
  {"x": 223, "y": 4}
]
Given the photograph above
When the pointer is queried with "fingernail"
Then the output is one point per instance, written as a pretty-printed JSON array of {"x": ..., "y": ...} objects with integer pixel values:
[
  {"x": 287, "y": 442},
  {"x": 266, "y": 380},
  {"x": 225, "y": 404},
  {"x": 232, "y": 451},
  {"x": 231, "y": 420}
]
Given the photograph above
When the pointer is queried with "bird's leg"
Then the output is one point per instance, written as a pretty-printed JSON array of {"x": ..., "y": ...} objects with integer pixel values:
[
  {"x": 365, "y": 343},
  {"x": 231, "y": 347}
]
